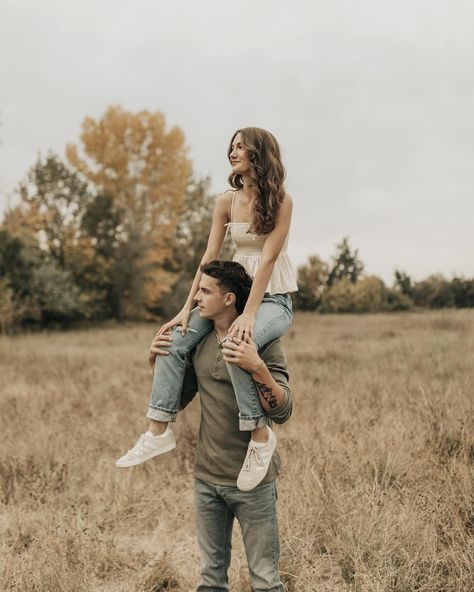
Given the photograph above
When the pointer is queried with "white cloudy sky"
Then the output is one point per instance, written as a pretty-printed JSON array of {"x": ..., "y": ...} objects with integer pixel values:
[{"x": 372, "y": 102}]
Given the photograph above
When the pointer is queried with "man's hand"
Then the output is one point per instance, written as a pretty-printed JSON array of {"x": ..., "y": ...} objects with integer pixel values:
[
  {"x": 160, "y": 341},
  {"x": 243, "y": 354}
]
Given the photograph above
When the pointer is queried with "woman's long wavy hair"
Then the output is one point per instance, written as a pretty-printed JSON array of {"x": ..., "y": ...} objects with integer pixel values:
[{"x": 266, "y": 177}]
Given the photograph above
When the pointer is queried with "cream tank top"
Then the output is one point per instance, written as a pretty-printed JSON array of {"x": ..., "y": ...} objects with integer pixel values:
[{"x": 248, "y": 252}]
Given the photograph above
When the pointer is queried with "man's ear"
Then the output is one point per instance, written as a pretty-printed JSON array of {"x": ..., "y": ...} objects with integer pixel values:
[{"x": 230, "y": 299}]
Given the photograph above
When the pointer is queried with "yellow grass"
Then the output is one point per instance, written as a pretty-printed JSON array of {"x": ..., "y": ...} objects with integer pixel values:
[{"x": 377, "y": 488}]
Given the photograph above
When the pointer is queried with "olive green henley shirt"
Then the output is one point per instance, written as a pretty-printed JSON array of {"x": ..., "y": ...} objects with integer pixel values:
[{"x": 221, "y": 446}]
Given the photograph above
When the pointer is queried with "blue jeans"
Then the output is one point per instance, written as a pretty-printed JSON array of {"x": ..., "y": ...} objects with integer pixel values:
[
  {"x": 256, "y": 511},
  {"x": 273, "y": 318}
]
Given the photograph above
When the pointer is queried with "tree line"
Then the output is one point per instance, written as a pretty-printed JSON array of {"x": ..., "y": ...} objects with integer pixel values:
[
  {"x": 116, "y": 230},
  {"x": 341, "y": 286}
]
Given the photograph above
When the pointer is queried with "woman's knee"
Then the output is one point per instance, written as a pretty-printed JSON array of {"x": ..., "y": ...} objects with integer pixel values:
[{"x": 272, "y": 329}]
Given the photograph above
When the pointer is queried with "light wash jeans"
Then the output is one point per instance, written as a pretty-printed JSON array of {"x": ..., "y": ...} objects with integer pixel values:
[
  {"x": 256, "y": 511},
  {"x": 273, "y": 318}
]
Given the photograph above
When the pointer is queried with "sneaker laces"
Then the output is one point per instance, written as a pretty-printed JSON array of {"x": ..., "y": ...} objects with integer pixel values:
[{"x": 253, "y": 456}]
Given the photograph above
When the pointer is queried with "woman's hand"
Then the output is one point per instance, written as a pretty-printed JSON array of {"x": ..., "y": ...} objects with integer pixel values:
[
  {"x": 244, "y": 354},
  {"x": 180, "y": 320},
  {"x": 242, "y": 328},
  {"x": 159, "y": 345}
]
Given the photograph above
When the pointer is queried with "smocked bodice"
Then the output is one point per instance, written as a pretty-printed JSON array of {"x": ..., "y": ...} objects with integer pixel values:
[{"x": 248, "y": 252}]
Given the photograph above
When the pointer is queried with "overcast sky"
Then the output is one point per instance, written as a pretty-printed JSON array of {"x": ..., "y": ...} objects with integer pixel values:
[{"x": 372, "y": 102}]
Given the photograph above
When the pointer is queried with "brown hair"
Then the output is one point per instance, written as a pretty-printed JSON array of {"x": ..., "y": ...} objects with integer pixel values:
[
  {"x": 231, "y": 276},
  {"x": 267, "y": 176}
]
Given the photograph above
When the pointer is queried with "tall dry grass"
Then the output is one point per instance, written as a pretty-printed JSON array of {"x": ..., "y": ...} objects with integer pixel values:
[{"x": 376, "y": 492}]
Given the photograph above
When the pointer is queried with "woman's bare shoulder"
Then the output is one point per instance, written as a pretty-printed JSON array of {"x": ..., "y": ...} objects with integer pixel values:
[
  {"x": 287, "y": 204},
  {"x": 226, "y": 196},
  {"x": 224, "y": 202}
]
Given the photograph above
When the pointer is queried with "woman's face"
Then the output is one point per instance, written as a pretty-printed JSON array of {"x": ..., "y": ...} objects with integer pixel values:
[{"x": 238, "y": 157}]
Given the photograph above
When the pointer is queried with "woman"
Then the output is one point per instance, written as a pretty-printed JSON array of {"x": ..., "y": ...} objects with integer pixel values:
[{"x": 257, "y": 213}]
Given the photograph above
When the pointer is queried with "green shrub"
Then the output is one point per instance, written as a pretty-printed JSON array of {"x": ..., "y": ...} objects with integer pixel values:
[
  {"x": 339, "y": 297},
  {"x": 398, "y": 301},
  {"x": 369, "y": 294}
]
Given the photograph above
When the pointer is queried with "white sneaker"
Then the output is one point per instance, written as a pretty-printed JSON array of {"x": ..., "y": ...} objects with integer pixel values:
[
  {"x": 147, "y": 446},
  {"x": 256, "y": 463}
]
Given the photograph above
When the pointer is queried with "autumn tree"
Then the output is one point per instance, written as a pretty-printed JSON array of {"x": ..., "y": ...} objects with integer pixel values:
[{"x": 143, "y": 170}]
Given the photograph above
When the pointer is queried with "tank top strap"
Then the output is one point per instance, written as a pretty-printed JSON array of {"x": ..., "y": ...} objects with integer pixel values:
[
  {"x": 232, "y": 205},
  {"x": 227, "y": 225}
]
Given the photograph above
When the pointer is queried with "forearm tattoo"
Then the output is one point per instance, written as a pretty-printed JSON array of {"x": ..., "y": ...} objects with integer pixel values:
[{"x": 267, "y": 394}]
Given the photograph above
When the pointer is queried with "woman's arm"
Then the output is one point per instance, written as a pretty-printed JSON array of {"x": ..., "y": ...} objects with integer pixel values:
[
  {"x": 243, "y": 325},
  {"x": 216, "y": 237}
]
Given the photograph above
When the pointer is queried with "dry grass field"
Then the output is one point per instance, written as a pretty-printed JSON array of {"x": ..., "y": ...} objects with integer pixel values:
[{"x": 377, "y": 488}]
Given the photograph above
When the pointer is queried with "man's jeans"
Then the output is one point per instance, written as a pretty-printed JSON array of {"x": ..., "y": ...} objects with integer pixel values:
[
  {"x": 273, "y": 318},
  {"x": 256, "y": 511}
]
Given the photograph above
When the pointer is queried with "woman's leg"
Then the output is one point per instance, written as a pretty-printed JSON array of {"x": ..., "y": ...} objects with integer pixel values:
[
  {"x": 165, "y": 395},
  {"x": 169, "y": 370},
  {"x": 274, "y": 316}
]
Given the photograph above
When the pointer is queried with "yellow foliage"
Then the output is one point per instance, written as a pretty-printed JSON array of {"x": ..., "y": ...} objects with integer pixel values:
[{"x": 144, "y": 168}]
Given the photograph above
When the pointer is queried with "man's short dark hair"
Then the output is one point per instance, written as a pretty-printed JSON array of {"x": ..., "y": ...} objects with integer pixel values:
[{"x": 231, "y": 276}]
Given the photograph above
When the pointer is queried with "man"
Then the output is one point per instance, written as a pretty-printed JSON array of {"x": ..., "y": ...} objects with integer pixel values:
[{"x": 221, "y": 446}]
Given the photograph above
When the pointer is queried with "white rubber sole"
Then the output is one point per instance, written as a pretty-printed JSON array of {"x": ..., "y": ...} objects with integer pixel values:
[{"x": 139, "y": 461}]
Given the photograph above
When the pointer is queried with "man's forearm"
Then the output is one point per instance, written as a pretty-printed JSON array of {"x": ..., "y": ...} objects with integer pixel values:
[
  {"x": 270, "y": 392},
  {"x": 245, "y": 355}
]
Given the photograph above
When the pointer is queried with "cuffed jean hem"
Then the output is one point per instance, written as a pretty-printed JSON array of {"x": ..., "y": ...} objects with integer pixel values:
[
  {"x": 161, "y": 415},
  {"x": 247, "y": 424}
]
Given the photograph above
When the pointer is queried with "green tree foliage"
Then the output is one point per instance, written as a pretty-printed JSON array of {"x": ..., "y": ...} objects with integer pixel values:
[
  {"x": 16, "y": 263},
  {"x": 56, "y": 296},
  {"x": 101, "y": 269},
  {"x": 463, "y": 292},
  {"x": 398, "y": 301},
  {"x": 368, "y": 294},
  {"x": 312, "y": 282},
  {"x": 193, "y": 228},
  {"x": 339, "y": 297},
  {"x": 36, "y": 290},
  {"x": 346, "y": 264},
  {"x": 47, "y": 243},
  {"x": 7, "y": 305},
  {"x": 433, "y": 292},
  {"x": 53, "y": 199},
  {"x": 403, "y": 283},
  {"x": 190, "y": 242},
  {"x": 18, "y": 260}
]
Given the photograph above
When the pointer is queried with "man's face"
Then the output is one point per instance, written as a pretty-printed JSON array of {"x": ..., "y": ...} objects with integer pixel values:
[{"x": 210, "y": 299}]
